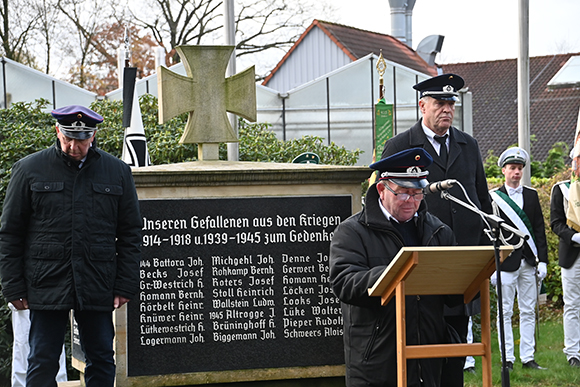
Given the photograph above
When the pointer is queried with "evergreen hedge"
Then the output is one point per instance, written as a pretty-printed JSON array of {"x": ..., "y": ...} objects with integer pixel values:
[{"x": 26, "y": 128}]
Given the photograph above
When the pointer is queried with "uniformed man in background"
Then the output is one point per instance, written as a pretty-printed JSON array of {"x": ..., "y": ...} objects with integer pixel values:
[{"x": 524, "y": 269}]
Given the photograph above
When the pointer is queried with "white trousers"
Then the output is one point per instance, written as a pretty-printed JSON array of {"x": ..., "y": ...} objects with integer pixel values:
[
  {"x": 571, "y": 290},
  {"x": 523, "y": 283},
  {"x": 469, "y": 360},
  {"x": 21, "y": 348}
]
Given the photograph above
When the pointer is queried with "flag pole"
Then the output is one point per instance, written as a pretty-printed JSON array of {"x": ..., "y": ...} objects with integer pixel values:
[
  {"x": 135, "y": 152},
  {"x": 230, "y": 35},
  {"x": 524, "y": 85}
]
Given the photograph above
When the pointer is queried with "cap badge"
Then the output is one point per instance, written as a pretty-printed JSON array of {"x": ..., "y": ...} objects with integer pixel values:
[
  {"x": 417, "y": 157},
  {"x": 78, "y": 123},
  {"x": 414, "y": 169},
  {"x": 448, "y": 89}
]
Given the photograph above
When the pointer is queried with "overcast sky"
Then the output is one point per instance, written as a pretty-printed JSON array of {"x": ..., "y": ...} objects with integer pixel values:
[{"x": 474, "y": 30}]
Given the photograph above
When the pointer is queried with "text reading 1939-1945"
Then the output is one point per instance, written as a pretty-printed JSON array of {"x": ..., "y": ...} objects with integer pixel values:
[{"x": 236, "y": 279}]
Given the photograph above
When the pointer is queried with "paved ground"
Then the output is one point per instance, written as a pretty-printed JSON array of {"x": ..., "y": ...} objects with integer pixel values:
[{"x": 72, "y": 383}]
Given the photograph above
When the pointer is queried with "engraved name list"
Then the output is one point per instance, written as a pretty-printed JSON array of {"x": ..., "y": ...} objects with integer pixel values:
[{"x": 231, "y": 284}]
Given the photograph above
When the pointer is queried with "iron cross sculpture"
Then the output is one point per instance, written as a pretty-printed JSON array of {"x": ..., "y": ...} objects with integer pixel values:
[{"x": 205, "y": 94}]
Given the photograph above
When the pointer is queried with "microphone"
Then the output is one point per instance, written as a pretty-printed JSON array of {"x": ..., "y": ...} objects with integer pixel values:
[{"x": 439, "y": 186}]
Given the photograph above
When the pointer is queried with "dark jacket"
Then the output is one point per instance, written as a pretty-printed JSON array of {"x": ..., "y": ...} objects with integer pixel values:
[
  {"x": 361, "y": 248},
  {"x": 70, "y": 237},
  {"x": 567, "y": 250},
  {"x": 533, "y": 210},
  {"x": 466, "y": 166}
]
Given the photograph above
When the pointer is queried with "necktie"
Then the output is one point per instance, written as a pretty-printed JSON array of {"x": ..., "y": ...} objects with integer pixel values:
[
  {"x": 443, "y": 148},
  {"x": 513, "y": 191}
]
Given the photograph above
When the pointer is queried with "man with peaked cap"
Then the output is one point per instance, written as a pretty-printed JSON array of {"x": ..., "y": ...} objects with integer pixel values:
[
  {"x": 456, "y": 155},
  {"x": 70, "y": 238},
  {"x": 568, "y": 254},
  {"x": 524, "y": 269},
  {"x": 362, "y": 247}
]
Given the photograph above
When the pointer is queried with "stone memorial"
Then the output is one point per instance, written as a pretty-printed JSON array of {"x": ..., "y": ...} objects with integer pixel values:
[{"x": 234, "y": 269}]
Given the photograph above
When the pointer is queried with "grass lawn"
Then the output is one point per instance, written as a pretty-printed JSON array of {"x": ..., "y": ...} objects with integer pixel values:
[{"x": 548, "y": 354}]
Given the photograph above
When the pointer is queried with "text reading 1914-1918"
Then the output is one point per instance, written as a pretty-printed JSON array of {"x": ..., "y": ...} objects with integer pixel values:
[{"x": 228, "y": 284}]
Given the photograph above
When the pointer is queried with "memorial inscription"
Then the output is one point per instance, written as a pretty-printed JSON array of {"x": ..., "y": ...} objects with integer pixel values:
[{"x": 234, "y": 284}]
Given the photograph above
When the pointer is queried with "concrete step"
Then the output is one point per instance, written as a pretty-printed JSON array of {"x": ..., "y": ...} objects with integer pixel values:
[{"x": 70, "y": 383}]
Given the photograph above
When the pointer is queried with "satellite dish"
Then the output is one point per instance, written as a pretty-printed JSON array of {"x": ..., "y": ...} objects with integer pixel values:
[{"x": 430, "y": 47}]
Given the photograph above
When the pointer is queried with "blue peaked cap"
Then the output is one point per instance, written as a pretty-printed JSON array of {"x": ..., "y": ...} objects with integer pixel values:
[
  {"x": 77, "y": 121},
  {"x": 407, "y": 168}
]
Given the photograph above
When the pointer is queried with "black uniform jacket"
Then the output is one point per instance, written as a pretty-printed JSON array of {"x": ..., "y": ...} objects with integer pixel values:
[
  {"x": 361, "y": 248},
  {"x": 466, "y": 166},
  {"x": 567, "y": 250},
  {"x": 70, "y": 237},
  {"x": 533, "y": 210}
]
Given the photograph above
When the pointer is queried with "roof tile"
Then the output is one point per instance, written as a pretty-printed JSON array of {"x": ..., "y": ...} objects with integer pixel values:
[
  {"x": 357, "y": 43},
  {"x": 553, "y": 113}
]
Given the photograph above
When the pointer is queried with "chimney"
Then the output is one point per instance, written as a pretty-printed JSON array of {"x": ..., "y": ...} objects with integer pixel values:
[
  {"x": 401, "y": 20},
  {"x": 409, "y": 20},
  {"x": 398, "y": 22}
]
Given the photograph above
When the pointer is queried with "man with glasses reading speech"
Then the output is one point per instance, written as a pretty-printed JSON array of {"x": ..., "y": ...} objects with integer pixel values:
[{"x": 362, "y": 247}]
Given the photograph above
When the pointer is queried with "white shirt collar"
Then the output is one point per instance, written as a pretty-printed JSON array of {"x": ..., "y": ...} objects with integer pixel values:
[
  {"x": 431, "y": 137},
  {"x": 388, "y": 214},
  {"x": 518, "y": 189},
  {"x": 516, "y": 194}
]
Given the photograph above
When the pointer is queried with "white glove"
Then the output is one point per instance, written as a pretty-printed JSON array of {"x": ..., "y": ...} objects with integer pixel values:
[
  {"x": 542, "y": 270},
  {"x": 493, "y": 278},
  {"x": 576, "y": 238}
]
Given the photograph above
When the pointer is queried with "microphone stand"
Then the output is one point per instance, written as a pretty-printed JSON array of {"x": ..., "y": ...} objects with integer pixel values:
[{"x": 495, "y": 223}]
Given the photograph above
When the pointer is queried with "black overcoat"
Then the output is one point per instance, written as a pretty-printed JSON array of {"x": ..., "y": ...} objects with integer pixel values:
[
  {"x": 567, "y": 250},
  {"x": 70, "y": 237},
  {"x": 465, "y": 165}
]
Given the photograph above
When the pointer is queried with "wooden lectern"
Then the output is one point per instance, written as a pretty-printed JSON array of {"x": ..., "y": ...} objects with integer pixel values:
[{"x": 439, "y": 271}]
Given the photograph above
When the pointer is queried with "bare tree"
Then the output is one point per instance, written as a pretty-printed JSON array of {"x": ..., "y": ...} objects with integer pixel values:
[
  {"x": 266, "y": 29},
  {"x": 16, "y": 29},
  {"x": 266, "y": 24},
  {"x": 173, "y": 23},
  {"x": 87, "y": 46},
  {"x": 261, "y": 25},
  {"x": 47, "y": 27},
  {"x": 86, "y": 17}
]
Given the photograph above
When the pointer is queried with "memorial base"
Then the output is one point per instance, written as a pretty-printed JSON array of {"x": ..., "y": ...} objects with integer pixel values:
[{"x": 234, "y": 275}]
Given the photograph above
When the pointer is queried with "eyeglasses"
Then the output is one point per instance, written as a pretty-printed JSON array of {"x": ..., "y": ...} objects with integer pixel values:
[{"x": 405, "y": 196}]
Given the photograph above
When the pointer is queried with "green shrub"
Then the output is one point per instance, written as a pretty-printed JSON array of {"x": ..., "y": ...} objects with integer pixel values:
[
  {"x": 26, "y": 128},
  {"x": 258, "y": 143}
]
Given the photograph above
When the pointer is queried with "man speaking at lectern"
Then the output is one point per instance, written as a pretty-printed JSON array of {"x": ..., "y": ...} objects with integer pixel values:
[{"x": 362, "y": 247}]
